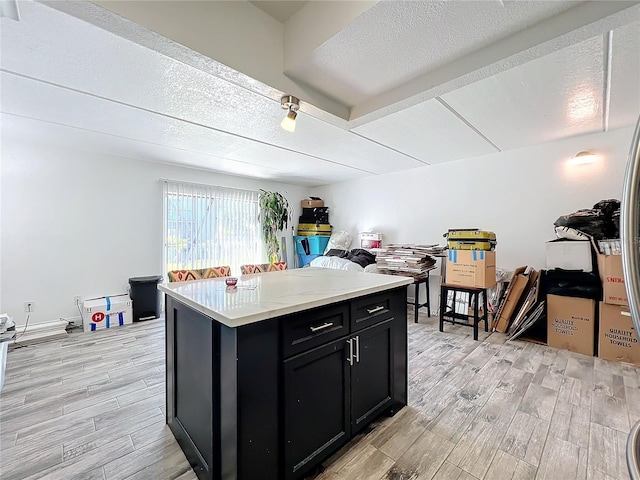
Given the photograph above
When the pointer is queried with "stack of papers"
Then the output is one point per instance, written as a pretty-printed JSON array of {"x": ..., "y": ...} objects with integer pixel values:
[{"x": 412, "y": 259}]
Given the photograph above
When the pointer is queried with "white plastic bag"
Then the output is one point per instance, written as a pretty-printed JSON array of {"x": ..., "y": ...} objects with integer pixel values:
[{"x": 339, "y": 240}]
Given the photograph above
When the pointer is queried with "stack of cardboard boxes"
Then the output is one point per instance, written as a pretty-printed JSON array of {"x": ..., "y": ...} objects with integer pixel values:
[
  {"x": 617, "y": 338},
  {"x": 577, "y": 324},
  {"x": 470, "y": 262},
  {"x": 471, "y": 259},
  {"x": 314, "y": 230}
]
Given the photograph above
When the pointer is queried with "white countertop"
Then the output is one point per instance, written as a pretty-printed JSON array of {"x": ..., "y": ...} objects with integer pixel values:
[{"x": 268, "y": 295}]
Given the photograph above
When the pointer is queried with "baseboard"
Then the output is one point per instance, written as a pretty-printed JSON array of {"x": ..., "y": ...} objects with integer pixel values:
[{"x": 40, "y": 332}]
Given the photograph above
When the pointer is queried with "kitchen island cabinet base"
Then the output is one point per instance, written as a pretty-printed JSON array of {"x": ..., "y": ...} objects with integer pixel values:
[{"x": 226, "y": 389}]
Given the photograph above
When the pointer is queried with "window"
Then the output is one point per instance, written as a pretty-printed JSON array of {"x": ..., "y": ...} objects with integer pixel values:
[{"x": 209, "y": 226}]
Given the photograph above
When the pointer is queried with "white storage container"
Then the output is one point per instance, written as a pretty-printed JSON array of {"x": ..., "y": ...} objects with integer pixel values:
[
  {"x": 370, "y": 240},
  {"x": 570, "y": 255},
  {"x": 107, "y": 312}
]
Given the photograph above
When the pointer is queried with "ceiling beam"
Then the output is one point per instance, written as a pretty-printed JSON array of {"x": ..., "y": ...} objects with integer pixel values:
[{"x": 314, "y": 24}]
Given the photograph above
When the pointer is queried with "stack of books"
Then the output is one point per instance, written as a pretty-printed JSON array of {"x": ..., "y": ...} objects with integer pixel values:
[{"x": 405, "y": 259}]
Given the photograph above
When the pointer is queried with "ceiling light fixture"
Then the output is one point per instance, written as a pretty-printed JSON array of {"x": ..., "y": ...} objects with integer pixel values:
[
  {"x": 582, "y": 158},
  {"x": 291, "y": 104}
]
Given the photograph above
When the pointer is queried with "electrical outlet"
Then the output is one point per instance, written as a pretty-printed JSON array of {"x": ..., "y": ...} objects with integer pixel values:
[
  {"x": 28, "y": 307},
  {"x": 77, "y": 299}
]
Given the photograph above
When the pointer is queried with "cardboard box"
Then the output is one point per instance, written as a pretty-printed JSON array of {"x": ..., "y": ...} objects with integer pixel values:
[
  {"x": 312, "y": 202},
  {"x": 471, "y": 268},
  {"x": 571, "y": 324},
  {"x": 570, "y": 255},
  {"x": 512, "y": 299},
  {"x": 617, "y": 339},
  {"x": 107, "y": 312},
  {"x": 610, "y": 268}
]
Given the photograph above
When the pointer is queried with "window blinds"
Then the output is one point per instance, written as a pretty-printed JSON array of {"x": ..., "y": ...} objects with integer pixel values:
[{"x": 207, "y": 226}]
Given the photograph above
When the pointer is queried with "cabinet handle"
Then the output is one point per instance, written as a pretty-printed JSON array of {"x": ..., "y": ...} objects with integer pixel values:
[
  {"x": 321, "y": 327},
  {"x": 350, "y": 359},
  {"x": 357, "y": 339},
  {"x": 375, "y": 310}
]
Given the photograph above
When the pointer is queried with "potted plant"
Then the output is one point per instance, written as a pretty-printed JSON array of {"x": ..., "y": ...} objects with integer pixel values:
[{"x": 275, "y": 215}]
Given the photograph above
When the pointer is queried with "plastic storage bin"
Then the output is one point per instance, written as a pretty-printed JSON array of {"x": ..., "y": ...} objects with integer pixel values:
[
  {"x": 311, "y": 245},
  {"x": 306, "y": 259},
  {"x": 147, "y": 300}
]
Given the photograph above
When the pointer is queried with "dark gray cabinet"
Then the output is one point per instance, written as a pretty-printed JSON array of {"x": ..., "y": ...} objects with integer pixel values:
[
  {"x": 333, "y": 391},
  {"x": 317, "y": 405},
  {"x": 372, "y": 374},
  {"x": 273, "y": 399}
]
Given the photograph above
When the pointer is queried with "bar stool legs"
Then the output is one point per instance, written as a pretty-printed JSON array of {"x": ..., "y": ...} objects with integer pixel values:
[
  {"x": 416, "y": 300},
  {"x": 451, "y": 315}
]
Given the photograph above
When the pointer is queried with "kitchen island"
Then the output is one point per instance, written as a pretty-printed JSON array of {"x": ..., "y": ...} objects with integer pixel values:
[{"x": 268, "y": 379}]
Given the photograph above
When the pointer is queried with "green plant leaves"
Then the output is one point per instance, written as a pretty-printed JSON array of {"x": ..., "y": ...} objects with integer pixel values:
[{"x": 275, "y": 215}]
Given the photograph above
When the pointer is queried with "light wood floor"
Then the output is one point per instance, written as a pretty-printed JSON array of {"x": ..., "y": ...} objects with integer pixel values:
[{"x": 91, "y": 406}]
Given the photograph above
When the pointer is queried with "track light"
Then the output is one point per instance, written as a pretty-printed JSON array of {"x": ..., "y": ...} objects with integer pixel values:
[{"x": 291, "y": 104}]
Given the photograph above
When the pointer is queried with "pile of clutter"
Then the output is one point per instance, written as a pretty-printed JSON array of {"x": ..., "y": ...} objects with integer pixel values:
[{"x": 412, "y": 260}]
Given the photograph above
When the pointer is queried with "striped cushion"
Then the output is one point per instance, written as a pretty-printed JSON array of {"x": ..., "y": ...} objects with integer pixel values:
[
  {"x": 197, "y": 274},
  {"x": 263, "y": 267},
  {"x": 184, "y": 275},
  {"x": 273, "y": 267},
  {"x": 216, "y": 272}
]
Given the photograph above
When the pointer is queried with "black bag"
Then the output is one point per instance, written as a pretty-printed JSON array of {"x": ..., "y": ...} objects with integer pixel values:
[
  {"x": 592, "y": 222},
  {"x": 609, "y": 209},
  {"x": 571, "y": 283}
]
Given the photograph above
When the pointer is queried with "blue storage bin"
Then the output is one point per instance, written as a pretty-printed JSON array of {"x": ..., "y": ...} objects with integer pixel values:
[
  {"x": 317, "y": 244},
  {"x": 306, "y": 259}
]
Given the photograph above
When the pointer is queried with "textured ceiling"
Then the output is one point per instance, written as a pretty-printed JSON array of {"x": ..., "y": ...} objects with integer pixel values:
[
  {"x": 355, "y": 65},
  {"x": 81, "y": 76}
]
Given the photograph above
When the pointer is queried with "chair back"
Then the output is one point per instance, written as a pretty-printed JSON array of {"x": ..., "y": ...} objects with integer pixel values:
[
  {"x": 263, "y": 267},
  {"x": 199, "y": 273}
]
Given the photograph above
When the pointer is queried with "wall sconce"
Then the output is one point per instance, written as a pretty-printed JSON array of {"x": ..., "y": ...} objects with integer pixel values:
[
  {"x": 291, "y": 104},
  {"x": 583, "y": 158}
]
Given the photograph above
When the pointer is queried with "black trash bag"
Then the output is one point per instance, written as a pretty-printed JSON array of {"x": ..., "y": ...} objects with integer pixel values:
[
  {"x": 608, "y": 209},
  {"x": 592, "y": 222},
  {"x": 615, "y": 218}
]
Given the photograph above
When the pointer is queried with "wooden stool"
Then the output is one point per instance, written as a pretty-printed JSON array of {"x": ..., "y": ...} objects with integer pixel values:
[
  {"x": 451, "y": 315},
  {"x": 416, "y": 303}
]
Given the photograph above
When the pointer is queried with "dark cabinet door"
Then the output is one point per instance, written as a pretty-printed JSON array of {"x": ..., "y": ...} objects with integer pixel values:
[
  {"x": 372, "y": 373},
  {"x": 316, "y": 405}
]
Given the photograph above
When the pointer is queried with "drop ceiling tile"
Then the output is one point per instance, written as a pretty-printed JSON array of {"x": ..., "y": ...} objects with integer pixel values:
[
  {"x": 61, "y": 49},
  {"x": 624, "y": 106},
  {"x": 45, "y": 133},
  {"x": 160, "y": 138},
  {"x": 552, "y": 97},
  {"x": 427, "y": 131}
]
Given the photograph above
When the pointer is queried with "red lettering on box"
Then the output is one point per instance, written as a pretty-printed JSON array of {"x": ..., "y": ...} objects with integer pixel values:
[
  {"x": 97, "y": 317},
  {"x": 615, "y": 280}
]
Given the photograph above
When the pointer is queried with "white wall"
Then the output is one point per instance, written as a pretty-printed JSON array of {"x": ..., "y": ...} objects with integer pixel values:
[
  {"x": 78, "y": 223},
  {"x": 517, "y": 194}
]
